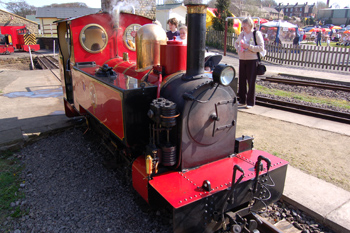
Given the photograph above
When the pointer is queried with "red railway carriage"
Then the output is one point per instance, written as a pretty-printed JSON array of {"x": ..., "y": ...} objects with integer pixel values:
[{"x": 173, "y": 124}]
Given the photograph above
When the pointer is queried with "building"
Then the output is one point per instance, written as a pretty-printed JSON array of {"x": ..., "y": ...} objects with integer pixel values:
[
  {"x": 297, "y": 10},
  {"x": 168, "y": 11},
  {"x": 47, "y": 16},
  {"x": 145, "y": 8},
  {"x": 334, "y": 16},
  {"x": 10, "y": 19}
]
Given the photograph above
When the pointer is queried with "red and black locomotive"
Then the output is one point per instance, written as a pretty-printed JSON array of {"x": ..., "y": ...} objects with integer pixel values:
[{"x": 174, "y": 123}]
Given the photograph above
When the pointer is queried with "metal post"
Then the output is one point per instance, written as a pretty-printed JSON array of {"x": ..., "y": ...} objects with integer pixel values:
[
  {"x": 54, "y": 50},
  {"x": 31, "y": 58},
  {"x": 225, "y": 37}
]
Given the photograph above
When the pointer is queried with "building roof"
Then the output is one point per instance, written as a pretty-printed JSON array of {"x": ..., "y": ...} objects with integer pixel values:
[
  {"x": 64, "y": 12},
  {"x": 169, "y": 6},
  {"x": 270, "y": 10},
  {"x": 295, "y": 5},
  {"x": 30, "y": 21}
]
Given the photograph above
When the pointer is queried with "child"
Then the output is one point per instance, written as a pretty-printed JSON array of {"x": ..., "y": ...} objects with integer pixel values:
[
  {"x": 183, "y": 35},
  {"x": 173, "y": 29}
]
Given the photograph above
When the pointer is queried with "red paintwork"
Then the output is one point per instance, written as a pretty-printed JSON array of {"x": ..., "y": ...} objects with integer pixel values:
[
  {"x": 107, "y": 22},
  {"x": 34, "y": 47},
  {"x": 126, "y": 68},
  {"x": 11, "y": 30},
  {"x": 4, "y": 49},
  {"x": 101, "y": 100},
  {"x": 139, "y": 177},
  {"x": 173, "y": 56},
  {"x": 180, "y": 189}
]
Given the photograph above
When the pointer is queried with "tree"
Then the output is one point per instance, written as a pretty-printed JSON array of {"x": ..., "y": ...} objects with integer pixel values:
[
  {"x": 72, "y": 4},
  {"x": 221, "y": 14},
  {"x": 269, "y": 3},
  {"x": 21, "y": 8}
]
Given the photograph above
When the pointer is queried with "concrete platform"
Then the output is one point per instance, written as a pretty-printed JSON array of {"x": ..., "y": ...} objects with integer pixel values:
[{"x": 24, "y": 117}]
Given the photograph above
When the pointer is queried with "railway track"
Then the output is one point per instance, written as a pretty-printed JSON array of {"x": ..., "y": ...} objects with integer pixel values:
[
  {"x": 303, "y": 109},
  {"x": 48, "y": 62},
  {"x": 307, "y": 83}
]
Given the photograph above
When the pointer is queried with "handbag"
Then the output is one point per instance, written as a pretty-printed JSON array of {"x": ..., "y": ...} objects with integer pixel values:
[{"x": 261, "y": 69}]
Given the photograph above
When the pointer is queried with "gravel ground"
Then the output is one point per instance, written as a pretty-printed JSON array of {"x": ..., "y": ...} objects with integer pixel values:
[
  {"x": 69, "y": 189},
  {"x": 312, "y": 91}
]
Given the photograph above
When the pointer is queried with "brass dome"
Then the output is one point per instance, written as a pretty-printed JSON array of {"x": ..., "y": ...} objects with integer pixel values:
[{"x": 148, "y": 40}]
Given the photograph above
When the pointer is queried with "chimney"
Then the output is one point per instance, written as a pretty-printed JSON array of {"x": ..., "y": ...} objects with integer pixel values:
[
  {"x": 196, "y": 18},
  {"x": 327, "y": 3}
]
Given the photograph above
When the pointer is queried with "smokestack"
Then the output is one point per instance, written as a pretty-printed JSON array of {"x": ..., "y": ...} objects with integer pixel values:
[
  {"x": 196, "y": 20},
  {"x": 327, "y": 3}
]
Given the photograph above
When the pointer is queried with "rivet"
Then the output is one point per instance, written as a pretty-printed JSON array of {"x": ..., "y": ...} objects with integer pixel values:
[
  {"x": 221, "y": 185},
  {"x": 185, "y": 199},
  {"x": 195, "y": 195},
  {"x": 191, "y": 181},
  {"x": 180, "y": 201},
  {"x": 190, "y": 197},
  {"x": 188, "y": 179}
]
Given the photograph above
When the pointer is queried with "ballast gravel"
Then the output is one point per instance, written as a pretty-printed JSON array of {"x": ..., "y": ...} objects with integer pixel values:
[
  {"x": 68, "y": 188},
  {"x": 71, "y": 184}
]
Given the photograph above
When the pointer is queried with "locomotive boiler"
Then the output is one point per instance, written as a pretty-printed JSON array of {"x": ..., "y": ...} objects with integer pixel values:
[{"x": 173, "y": 123}]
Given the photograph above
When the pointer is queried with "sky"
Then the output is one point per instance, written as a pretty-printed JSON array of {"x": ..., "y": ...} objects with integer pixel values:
[
  {"x": 90, "y": 3},
  {"x": 97, "y": 3}
]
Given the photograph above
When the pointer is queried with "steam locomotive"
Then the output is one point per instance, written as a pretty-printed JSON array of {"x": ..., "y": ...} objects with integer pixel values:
[{"x": 174, "y": 123}]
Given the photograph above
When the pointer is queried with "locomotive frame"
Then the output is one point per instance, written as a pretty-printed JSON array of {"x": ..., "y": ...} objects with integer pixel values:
[{"x": 174, "y": 123}]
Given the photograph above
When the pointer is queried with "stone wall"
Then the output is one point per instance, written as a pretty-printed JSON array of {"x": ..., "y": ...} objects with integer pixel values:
[
  {"x": 145, "y": 8},
  {"x": 9, "y": 19}
]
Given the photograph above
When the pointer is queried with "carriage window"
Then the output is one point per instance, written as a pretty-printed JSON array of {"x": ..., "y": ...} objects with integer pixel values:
[
  {"x": 130, "y": 36},
  {"x": 93, "y": 38}
]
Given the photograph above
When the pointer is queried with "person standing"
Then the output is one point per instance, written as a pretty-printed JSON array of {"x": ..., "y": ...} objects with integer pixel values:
[
  {"x": 172, "y": 23},
  {"x": 319, "y": 37},
  {"x": 248, "y": 61}
]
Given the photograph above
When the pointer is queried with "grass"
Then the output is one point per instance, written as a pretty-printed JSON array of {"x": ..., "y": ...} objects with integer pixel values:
[
  {"x": 332, "y": 44},
  {"x": 304, "y": 97},
  {"x": 10, "y": 170}
]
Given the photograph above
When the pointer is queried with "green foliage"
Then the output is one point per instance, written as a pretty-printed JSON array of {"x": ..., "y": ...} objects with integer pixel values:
[
  {"x": 71, "y": 4},
  {"x": 286, "y": 17},
  {"x": 221, "y": 13},
  {"x": 21, "y": 8},
  {"x": 10, "y": 169}
]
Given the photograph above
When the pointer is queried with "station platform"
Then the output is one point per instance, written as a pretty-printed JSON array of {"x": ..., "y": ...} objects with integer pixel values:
[{"x": 32, "y": 106}]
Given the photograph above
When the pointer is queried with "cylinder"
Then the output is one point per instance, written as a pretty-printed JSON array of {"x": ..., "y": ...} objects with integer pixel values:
[
  {"x": 173, "y": 56},
  {"x": 196, "y": 18}
]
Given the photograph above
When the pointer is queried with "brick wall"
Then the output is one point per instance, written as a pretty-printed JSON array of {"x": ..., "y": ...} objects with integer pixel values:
[
  {"x": 9, "y": 19},
  {"x": 145, "y": 8}
]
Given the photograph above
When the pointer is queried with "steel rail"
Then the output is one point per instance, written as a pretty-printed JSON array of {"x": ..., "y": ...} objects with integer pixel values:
[
  {"x": 306, "y": 110},
  {"x": 54, "y": 64},
  {"x": 44, "y": 61},
  {"x": 308, "y": 83}
]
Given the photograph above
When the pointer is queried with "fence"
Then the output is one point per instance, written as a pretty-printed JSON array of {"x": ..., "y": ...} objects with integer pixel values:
[{"x": 332, "y": 58}]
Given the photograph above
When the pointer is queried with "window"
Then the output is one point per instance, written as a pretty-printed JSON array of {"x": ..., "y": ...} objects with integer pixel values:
[
  {"x": 291, "y": 9},
  {"x": 93, "y": 38},
  {"x": 286, "y": 10},
  {"x": 301, "y": 9}
]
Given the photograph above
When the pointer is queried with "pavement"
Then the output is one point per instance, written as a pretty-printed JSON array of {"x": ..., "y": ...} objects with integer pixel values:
[{"x": 32, "y": 106}]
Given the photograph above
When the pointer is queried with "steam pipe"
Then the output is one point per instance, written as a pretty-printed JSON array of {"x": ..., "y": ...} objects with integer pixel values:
[{"x": 196, "y": 18}]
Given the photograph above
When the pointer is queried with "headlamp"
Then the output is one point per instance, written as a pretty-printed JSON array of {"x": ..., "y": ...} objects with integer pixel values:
[{"x": 224, "y": 74}]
